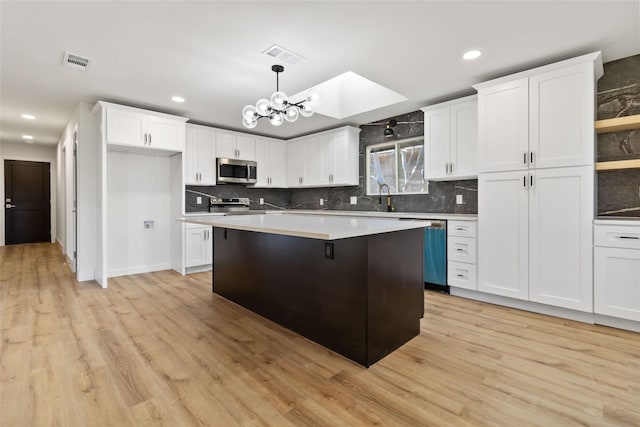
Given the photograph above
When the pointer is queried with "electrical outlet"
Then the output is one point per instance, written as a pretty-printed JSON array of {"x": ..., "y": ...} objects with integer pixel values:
[
  {"x": 354, "y": 200},
  {"x": 198, "y": 200},
  {"x": 321, "y": 202},
  {"x": 459, "y": 199},
  {"x": 261, "y": 201},
  {"x": 148, "y": 225}
]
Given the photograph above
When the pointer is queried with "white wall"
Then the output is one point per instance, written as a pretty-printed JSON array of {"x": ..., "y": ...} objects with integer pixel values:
[
  {"x": 81, "y": 121},
  {"x": 138, "y": 189},
  {"x": 33, "y": 153}
]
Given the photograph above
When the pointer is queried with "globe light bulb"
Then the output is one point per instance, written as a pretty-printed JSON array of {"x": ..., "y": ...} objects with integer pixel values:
[
  {"x": 276, "y": 118},
  {"x": 263, "y": 106},
  {"x": 291, "y": 115},
  {"x": 306, "y": 111},
  {"x": 279, "y": 100},
  {"x": 250, "y": 112},
  {"x": 250, "y": 124},
  {"x": 312, "y": 98}
]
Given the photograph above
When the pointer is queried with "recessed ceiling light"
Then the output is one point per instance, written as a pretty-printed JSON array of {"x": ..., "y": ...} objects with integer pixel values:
[
  {"x": 28, "y": 117},
  {"x": 177, "y": 99},
  {"x": 27, "y": 137},
  {"x": 472, "y": 54}
]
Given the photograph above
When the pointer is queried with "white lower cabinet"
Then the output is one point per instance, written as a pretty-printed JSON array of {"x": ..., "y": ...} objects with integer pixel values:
[
  {"x": 461, "y": 254},
  {"x": 617, "y": 271},
  {"x": 198, "y": 246},
  {"x": 535, "y": 236}
]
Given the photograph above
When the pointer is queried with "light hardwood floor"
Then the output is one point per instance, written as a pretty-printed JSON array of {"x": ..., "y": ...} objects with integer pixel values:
[{"x": 161, "y": 349}]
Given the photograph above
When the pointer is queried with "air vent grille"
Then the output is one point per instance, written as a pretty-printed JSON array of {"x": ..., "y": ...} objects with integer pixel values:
[
  {"x": 284, "y": 55},
  {"x": 75, "y": 61}
]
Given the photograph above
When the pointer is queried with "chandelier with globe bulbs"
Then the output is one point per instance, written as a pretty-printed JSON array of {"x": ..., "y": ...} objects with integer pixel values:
[{"x": 279, "y": 108}]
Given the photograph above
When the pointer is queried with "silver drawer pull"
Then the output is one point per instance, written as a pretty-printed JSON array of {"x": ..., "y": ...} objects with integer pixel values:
[
  {"x": 460, "y": 229},
  {"x": 460, "y": 250},
  {"x": 629, "y": 237},
  {"x": 460, "y": 275}
]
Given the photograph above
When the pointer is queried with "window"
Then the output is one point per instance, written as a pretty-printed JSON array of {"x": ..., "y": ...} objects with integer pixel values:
[{"x": 399, "y": 164}]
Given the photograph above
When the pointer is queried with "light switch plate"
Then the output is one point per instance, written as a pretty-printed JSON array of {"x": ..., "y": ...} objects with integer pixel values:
[
  {"x": 459, "y": 199},
  {"x": 261, "y": 201},
  {"x": 321, "y": 202},
  {"x": 148, "y": 225},
  {"x": 354, "y": 200},
  {"x": 198, "y": 200}
]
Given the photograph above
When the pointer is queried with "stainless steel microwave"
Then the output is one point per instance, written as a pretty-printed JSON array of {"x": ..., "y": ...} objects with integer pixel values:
[{"x": 234, "y": 171}]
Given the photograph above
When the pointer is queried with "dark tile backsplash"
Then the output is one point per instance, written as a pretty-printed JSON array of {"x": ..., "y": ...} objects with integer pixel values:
[
  {"x": 441, "y": 197},
  {"x": 619, "y": 95}
]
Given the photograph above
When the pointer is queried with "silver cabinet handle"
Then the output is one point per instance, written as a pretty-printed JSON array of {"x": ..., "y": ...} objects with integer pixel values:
[
  {"x": 621, "y": 237},
  {"x": 531, "y": 158},
  {"x": 459, "y": 250},
  {"x": 524, "y": 158},
  {"x": 524, "y": 182},
  {"x": 460, "y": 229},
  {"x": 450, "y": 167},
  {"x": 149, "y": 139},
  {"x": 531, "y": 181},
  {"x": 145, "y": 139},
  {"x": 460, "y": 275}
]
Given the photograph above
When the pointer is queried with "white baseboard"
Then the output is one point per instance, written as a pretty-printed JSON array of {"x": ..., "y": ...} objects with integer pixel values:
[
  {"x": 138, "y": 269},
  {"x": 534, "y": 307},
  {"x": 615, "y": 322},
  {"x": 199, "y": 268}
]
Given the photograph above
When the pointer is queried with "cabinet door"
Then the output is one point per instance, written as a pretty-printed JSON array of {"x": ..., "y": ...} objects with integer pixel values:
[
  {"x": 206, "y": 156},
  {"x": 166, "y": 134},
  {"x": 503, "y": 117},
  {"x": 503, "y": 234},
  {"x": 226, "y": 145},
  {"x": 561, "y": 237},
  {"x": 327, "y": 159},
  {"x": 262, "y": 158},
  {"x": 437, "y": 135},
  {"x": 208, "y": 245},
  {"x": 246, "y": 147},
  {"x": 278, "y": 163},
  {"x": 195, "y": 247},
  {"x": 464, "y": 139},
  {"x": 561, "y": 117},
  {"x": 295, "y": 160},
  {"x": 311, "y": 158},
  {"x": 191, "y": 173},
  {"x": 616, "y": 287},
  {"x": 126, "y": 127}
]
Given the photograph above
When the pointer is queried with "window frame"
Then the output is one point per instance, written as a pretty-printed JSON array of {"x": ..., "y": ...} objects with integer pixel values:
[{"x": 393, "y": 144}]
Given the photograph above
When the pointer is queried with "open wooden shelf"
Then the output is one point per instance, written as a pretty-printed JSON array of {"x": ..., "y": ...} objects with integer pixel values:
[
  {"x": 618, "y": 124},
  {"x": 618, "y": 164}
]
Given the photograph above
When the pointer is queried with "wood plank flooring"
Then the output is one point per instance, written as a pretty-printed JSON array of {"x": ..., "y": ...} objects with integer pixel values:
[{"x": 160, "y": 349}]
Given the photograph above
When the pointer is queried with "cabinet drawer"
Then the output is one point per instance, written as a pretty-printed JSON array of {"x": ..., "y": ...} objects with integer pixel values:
[
  {"x": 461, "y": 249},
  {"x": 617, "y": 236},
  {"x": 462, "y": 228},
  {"x": 462, "y": 275},
  {"x": 191, "y": 226}
]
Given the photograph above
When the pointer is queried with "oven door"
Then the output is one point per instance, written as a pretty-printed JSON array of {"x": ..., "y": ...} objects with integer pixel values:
[{"x": 236, "y": 171}]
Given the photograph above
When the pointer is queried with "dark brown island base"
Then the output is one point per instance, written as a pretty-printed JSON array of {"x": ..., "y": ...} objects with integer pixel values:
[{"x": 362, "y": 296}]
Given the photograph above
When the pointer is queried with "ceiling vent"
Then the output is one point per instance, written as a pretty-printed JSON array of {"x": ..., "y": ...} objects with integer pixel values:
[
  {"x": 75, "y": 61},
  {"x": 282, "y": 54}
]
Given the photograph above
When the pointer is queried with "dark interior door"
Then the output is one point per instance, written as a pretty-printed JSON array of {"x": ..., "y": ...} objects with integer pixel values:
[{"x": 27, "y": 202}]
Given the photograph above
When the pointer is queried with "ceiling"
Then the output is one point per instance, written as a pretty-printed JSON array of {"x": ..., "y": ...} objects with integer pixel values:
[{"x": 210, "y": 53}]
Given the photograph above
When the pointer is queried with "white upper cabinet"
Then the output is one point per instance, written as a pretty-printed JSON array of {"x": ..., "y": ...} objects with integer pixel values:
[
  {"x": 271, "y": 156},
  {"x": 133, "y": 127},
  {"x": 200, "y": 156},
  {"x": 539, "y": 118},
  {"x": 339, "y": 157},
  {"x": 303, "y": 156},
  {"x": 561, "y": 116},
  {"x": 450, "y": 138},
  {"x": 503, "y": 116},
  {"x": 235, "y": 146}
]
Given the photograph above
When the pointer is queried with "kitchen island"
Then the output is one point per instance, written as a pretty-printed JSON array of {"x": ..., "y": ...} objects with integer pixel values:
[{"x": 353, "y": 285}]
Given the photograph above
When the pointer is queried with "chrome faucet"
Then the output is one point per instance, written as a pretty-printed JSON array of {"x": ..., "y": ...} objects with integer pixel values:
[{"x": 390, "y": 207}]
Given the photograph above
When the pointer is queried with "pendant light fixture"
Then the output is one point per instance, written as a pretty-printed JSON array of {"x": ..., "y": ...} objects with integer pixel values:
[
  {"x": 278, "y": 109},
  {"x": 388, "y": 132}
]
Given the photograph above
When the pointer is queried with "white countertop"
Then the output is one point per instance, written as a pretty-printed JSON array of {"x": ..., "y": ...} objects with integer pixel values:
[
  {"x": 371, "y": 214},
  {"x": 617, "y": 221},
  {"x": 310, "y": 226}
]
